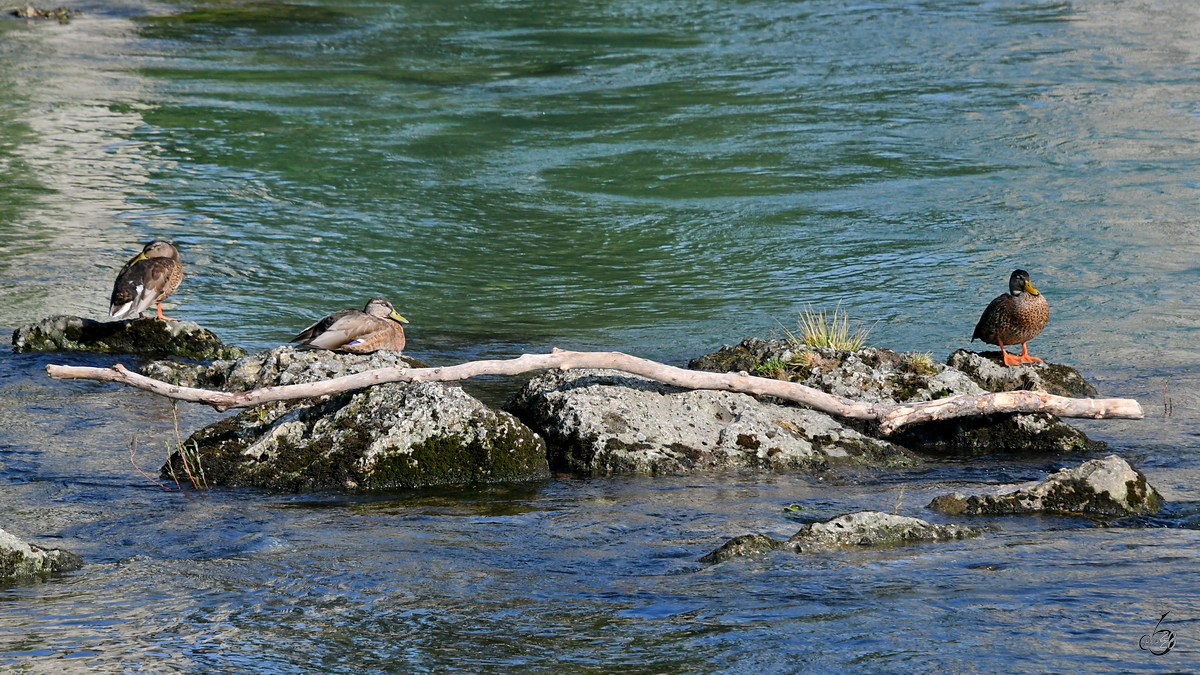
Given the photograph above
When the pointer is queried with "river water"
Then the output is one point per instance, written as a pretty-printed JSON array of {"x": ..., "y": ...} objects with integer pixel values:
[{"x": 657, "y": 177}]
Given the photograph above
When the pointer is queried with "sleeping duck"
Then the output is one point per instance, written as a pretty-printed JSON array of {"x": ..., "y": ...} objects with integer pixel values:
[{"x": 374, "y": 328}]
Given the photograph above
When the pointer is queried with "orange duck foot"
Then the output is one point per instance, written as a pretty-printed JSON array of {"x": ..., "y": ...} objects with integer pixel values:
[
  {"x": 160, "y": 314},
  {"x": 1025, "y": 357}
]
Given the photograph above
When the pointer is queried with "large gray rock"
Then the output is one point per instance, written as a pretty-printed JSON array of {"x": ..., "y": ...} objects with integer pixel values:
[
  {"x": 387, "y": 436},
  {"x": 607, "y": 422},
  {"x": 873, "y": 529},
  {"x": 21, "y": 561},
  {"x": 279, "y": 366},
  {"x": 882, "y": 376},
  {"x": 1106, "y": 487},
  {"x": 185, "y": 339}
]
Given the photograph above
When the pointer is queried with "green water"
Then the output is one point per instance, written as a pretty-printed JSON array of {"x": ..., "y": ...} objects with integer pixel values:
[{"x": 655, "y": 177}]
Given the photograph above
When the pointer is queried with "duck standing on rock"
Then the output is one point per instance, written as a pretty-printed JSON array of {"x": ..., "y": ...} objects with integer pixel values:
[
  {"x": 1015, "y": 317},
  {"x": 149, "y": 278},
  {"x": 376, "y": 327}
]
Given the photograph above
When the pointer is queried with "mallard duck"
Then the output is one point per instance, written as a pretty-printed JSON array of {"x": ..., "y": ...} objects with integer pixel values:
[
  {"x": 376, "y": 327},
  {"x": 149, "y": 278},
  {"x": 1015, "y": 317}
]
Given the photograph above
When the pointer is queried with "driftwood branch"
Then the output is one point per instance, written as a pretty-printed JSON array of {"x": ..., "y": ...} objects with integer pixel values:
[{"x": 891, "y": 416}]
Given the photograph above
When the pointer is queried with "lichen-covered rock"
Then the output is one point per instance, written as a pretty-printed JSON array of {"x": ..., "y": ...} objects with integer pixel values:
[
  {"x": 21, "y": 561},
  {"x": 385, "y": 436},
  {"x": 868, "y": 374},
  {"x": 608, "y": 422},
  {"x": 185, "y": 339},
  {"x": 280, "y": 366},
  {"x": 745, "y": 545},
  {"x": 1106, "y": 487},
  {"x": 883, "y": 376},
  {"x": 989, "y": 372},
  {"x": 873, "y": 528}
]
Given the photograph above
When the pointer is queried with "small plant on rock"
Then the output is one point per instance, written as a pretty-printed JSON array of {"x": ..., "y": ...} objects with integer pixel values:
[
  {"x": 818, "y": 329},
  {"x": 774, "y": 368}
]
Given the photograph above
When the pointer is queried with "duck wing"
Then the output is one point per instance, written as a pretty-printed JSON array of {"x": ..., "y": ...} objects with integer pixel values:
[{"x": 143, "y": 283}]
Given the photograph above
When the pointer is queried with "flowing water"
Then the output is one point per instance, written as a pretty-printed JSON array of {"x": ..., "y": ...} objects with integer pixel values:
[{"x": 653, "y": 176}]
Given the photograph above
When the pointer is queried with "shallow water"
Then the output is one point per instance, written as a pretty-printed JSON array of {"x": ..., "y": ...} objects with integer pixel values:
[{"x": 654, "y": 177}]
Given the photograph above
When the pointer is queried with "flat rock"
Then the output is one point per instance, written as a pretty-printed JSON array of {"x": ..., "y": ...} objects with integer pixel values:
[
  {"x": 184, "y": 339},
  {"x": 989, "y": 372},
  {"x": 388, "y": 436},
  {"x": 21, "y": 561},
  {"x": 279, "y": 366},
  {"x": 609, "y": 422},
  {"x": 1105, "y": 487},
  {"x": 874, "y": 528}
]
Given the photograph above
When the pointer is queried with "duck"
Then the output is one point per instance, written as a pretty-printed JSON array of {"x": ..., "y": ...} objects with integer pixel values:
[
  {"x": 148, "y": 278},
  {"x": 377, "y": 326},
  {"x": 1016, "y": 317}
]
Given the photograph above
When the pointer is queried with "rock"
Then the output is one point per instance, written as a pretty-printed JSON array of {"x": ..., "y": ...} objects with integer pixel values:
[
  {"x": 873, "y": 528},
  {"x": 1105, "y": 487},
  {"x": 185, "y": 339},
  {"x": 989, "y": 372},
  {"x": 608, "y": 422},
  {"x": 21, "y": 561},
  {"x": 280, "y": 366},
  {"x": 1004, "y": 432},
  {"x": 63, "y": 14},
  {"x": 883, "y": 376},
  {"x": 388, "y": 436},
  {"x": 868, "y": 374},
  {"x": 745, "y": 545}
]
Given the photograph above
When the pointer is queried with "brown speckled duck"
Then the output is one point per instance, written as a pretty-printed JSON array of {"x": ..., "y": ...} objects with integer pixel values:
[
  {"x": 149, "y": 278},
  {"x": 1014, "y": 318},
  {"x": 376, "y": 327}
]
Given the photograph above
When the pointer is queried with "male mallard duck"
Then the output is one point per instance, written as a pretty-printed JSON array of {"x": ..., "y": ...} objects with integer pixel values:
[
  {"x": 149, "y": 278},
  {"x": 1014, "y": 318},
  {"x": 376, "y": 327}
]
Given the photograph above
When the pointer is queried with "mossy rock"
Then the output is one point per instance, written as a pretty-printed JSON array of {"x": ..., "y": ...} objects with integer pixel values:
[
  {"x": 387, "y": 436},
  {"x": 277, "y": 367},
  {"x": 987, "y": 369},
  {"x": 151, "y": 337},
  {"x": 22, "y": 561}
]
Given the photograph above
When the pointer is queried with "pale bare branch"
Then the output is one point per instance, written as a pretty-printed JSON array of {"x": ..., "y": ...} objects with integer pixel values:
[{"x": 891, "y": 417}]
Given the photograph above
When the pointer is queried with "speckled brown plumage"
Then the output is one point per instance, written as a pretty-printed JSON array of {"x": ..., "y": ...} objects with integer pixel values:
[
  {"x": 148, "y": 278},
  {"x": 1014, "y": 318},
  {"x": 374, "y": 328}
]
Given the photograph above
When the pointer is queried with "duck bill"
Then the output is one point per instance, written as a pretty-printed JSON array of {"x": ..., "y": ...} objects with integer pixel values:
[
  {"x": 1029, "y": 288},
  {"x": 138, "y": 258},
  {"x": 396, "y": 317}
]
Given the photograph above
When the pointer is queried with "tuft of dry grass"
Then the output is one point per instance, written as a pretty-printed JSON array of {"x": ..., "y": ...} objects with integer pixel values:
[{"x": 819, "y": 329}]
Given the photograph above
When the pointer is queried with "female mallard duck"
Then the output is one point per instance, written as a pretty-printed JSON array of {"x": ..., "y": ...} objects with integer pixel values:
[
  {"x": 1014, "y": 318},
  {"x": 149, "y": 278},
  {"x": 376, "y": 327}
]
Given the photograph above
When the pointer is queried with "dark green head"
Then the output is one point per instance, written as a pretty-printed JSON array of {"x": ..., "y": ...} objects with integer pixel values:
[{"x": 1019, "y": 283}]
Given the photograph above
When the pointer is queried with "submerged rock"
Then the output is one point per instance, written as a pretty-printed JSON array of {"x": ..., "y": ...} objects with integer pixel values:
[
  {"x": 861, "y": 529},
  {"x": 387, "y": 436},
  {"x": 874, "y": 528},
  {"x": 185, "y": 339},
  {"x": 883, "y": 376},
  {"x": 1106, "y": 487},
  {"x": 989, "y": 372},
  {"x": 745, "y": 545},
  {"x": 280, "y": 366},
  {"x": 20, "y": 561},
  {"x": 608, "y": 422}
]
